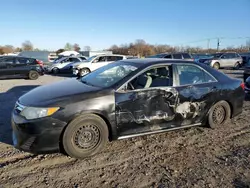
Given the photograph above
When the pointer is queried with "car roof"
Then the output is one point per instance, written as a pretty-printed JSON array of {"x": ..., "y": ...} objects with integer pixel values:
[{"x": 152, "y": 61}]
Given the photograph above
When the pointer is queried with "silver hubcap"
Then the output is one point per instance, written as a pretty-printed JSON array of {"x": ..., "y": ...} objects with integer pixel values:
[{"x": 83, "y": 72}]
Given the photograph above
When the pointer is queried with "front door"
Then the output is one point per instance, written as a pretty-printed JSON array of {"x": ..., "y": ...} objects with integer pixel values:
[
  {"x": 99, "y": 62},
  {"x": 7, "y": 67},
  {"x": 147, "y": 103}
]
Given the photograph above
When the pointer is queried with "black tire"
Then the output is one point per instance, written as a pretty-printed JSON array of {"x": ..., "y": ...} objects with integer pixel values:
[
  {"x": 237, "y": 66},
  {"x": 55, "y": 70},
  {"x": 216, "y": 66},
  {"x": 85, "y": 136},
  {"x": 33, "y": 75},
  {"x": 219, "y": 114},
  {"x": 84, "y": 72}
]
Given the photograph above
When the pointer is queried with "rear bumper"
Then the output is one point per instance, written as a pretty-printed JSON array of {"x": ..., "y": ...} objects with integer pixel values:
[{"x": 36, "y": 136}]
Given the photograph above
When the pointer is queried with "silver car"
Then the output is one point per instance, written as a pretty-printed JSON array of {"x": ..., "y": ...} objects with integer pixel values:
[{"x": 225, "y": 60}]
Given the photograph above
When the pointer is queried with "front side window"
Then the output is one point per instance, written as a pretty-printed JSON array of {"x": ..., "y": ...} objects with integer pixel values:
[
  {"x": 190, "y": 74},
  {"x": 83, "y": 58},
  {"x": 168, "y": 56},
  {"x": 155, "y": 77},
  {"x": 100, "y": 59},
  {"x": 109, "y": 75}
]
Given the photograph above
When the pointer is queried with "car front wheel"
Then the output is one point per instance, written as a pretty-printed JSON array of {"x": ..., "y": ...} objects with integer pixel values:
[
  {"x": 216, "y": 66},
  {"x": 85, "y": 136},
  {"x": 83, "y": 72},
  {"x": 219, "y": 114}
]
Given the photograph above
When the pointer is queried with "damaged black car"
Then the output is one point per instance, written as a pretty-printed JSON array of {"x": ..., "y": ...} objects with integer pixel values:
[{"x": 123, "y": 99}]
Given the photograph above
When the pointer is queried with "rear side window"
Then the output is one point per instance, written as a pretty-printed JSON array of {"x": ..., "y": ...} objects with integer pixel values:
[
  {"x": 177, "y": 56},
  {"x": 22, "y": 61},
  {"x": 114, "y": 58},
  {"x": 186, "y": 56},
  {"x": 190, "y": 74}
]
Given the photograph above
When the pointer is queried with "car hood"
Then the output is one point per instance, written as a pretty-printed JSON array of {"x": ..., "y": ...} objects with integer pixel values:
[{"x": 59, "y": 93}]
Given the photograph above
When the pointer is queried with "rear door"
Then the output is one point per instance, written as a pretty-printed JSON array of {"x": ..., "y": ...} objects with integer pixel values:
[
  {"x": 197, "y": 90},
  {"x": 226, "y": 60},
  {"x": 22, "y": 66}
]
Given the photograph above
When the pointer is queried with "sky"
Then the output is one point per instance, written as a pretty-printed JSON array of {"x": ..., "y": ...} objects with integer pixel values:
[{"x": 50, "y": 24}]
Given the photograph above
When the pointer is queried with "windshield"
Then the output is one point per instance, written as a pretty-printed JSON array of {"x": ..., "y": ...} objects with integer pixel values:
[
  {"x": 109, "y": 75},
  {"x": 91, "y": 58}
]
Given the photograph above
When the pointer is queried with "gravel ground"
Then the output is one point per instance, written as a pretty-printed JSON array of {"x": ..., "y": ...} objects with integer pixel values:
[{"x": 195, "y": 157}]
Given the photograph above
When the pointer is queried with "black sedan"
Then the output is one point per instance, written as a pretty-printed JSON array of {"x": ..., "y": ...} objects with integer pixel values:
[{"x": 121, "y": 100}]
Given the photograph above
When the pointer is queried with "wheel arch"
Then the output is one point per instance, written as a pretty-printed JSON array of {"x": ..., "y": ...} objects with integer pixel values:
[{"x": 98, "y": 113}]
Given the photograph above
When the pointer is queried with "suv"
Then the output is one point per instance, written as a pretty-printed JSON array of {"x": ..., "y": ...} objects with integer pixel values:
[
  {"x": 179, "y": 55},
  {"x": 225, "y": 60},
  {"x": 65, "y": 64},
  {"x": 17, "y": 66},
  {"x": 94, "y": 63}
]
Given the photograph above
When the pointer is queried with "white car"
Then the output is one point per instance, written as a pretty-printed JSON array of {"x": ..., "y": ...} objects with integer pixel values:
[
  {"x": 94, "y": 63},
  {"x": 63, "y": 64}
]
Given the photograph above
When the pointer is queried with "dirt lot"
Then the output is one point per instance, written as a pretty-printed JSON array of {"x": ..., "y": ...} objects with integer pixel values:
[{"x": 195, "y": 157}]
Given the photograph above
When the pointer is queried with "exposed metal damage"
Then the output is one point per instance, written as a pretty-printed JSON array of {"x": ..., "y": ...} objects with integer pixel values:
[{"x": 157, "y": 106}]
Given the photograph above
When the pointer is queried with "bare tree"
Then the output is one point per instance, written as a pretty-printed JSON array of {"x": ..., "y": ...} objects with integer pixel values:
[
  {"x": 68, "y": 46},
  {"x": 77, "y": 47},
  {"x": 27, "y": 46},
  {"x": 87, "y": 48}
]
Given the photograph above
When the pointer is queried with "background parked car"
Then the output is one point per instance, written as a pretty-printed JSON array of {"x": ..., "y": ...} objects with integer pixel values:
[
  {"x": 179, "y": 55},
  {"x": 200, "y": 58},
  {"x": 17, "y": 67},
  {"x": 64, "y": 64},
  {"x": 94, "y": 63},
  {"x": 245, "y": 58},
  {"x": 225, "y": 60}
]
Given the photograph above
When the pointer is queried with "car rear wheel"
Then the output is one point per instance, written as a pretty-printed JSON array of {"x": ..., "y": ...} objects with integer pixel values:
[
  {"x": 237, "y": 66},
  {"x": 84, "y": 71},
  {"x": 85, "y": 136},
  {"x": 33, "y": 75},
  {"x": 219, "y": 114},
  {"x": 216, "y": 66},
  {"x": 55, "y": 70}
]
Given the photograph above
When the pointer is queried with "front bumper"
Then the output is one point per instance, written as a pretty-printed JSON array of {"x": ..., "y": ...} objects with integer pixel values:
[{"x": 36, "y": 136}]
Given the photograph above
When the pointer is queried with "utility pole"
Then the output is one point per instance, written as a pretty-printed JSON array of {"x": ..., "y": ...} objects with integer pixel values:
[
  {"x": 208, "y": 44},
  {"x": 218, "y": 44}
]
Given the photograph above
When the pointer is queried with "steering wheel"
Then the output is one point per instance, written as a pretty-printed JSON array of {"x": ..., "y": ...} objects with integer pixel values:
[
  {"x": 195, "y": 79},
  {"x": 120, "y": 71}
]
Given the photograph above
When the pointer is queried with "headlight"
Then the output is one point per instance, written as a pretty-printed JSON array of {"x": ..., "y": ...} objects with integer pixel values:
[{"x": 34, "y": 113}]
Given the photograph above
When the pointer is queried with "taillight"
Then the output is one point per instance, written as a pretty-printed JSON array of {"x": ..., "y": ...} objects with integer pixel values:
[
  {"x": 242, "y": 85},
  {"x": 39, "y": 62}
]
